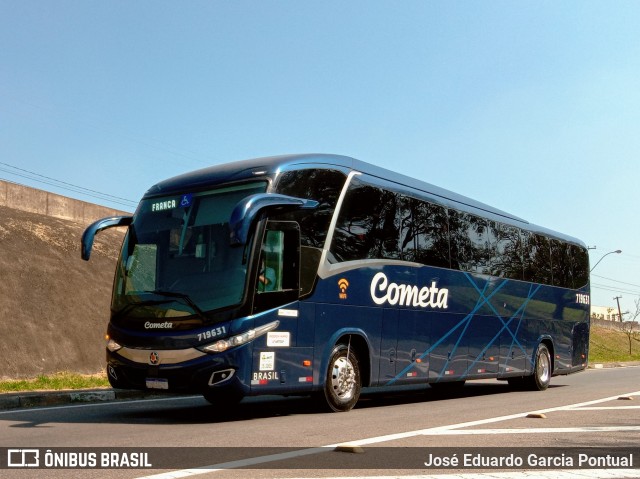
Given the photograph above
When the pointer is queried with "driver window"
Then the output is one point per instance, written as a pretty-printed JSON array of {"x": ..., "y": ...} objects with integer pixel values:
[{"x": 271, "y": 262}]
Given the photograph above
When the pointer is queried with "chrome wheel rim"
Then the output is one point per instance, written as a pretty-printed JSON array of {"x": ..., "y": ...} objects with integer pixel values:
[
  {"x": 343, "y": 379},
  {"x": 544, "y": 368}
]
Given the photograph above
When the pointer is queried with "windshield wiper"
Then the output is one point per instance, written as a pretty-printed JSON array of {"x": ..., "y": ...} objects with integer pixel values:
[
  {"x": 128, "y": 307},
  {"x": 184, "y": 297}
]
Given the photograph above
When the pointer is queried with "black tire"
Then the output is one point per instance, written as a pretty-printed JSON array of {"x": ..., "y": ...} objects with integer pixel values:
[
  {"x": 342, "y": 383},
  {"x": 541, "y": 377}
]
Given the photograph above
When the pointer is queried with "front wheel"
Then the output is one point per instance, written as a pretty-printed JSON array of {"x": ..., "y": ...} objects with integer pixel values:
[
  {"x": 342, "y": 383},
  {"x": 541, "y": 377}
]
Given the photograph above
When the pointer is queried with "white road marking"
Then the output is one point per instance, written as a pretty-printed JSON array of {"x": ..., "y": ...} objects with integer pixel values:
[
  {"x": 546, "y": 430},
  {"x": 441, "y": 430},
  {"x": 605, "y": 408}
]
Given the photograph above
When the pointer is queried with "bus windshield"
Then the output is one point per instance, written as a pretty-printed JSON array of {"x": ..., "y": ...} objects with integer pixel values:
[{"x": 176, "y": 259}]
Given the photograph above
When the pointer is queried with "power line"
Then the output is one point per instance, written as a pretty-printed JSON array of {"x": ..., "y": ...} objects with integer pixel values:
[
  {"x": 616, "y": 281},
  {"x": 70, "y": 189},
  {"x": 605, "y": 287},
  {"x": 62, "y": 182},
  {"x": 624, "y": 254},
  {"x": 47, "y": 180},
  {"x": 122, "y": 203}
]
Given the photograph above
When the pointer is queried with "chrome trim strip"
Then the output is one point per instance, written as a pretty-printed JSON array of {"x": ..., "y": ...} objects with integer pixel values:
[
  {"x": 167, "y": 356},
  {"x": 230, "y": 373}
]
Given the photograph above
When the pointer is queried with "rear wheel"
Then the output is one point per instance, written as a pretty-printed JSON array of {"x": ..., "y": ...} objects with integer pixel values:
[
  {"x": 541, "y": 377},
  {"x": 342, "y": 383}
]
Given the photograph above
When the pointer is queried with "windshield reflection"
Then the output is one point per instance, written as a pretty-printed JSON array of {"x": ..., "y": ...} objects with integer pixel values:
[{"x": 176, "y": 259}]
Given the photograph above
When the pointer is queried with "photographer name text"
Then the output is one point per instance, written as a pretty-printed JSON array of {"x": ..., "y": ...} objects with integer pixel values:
[{"x": 477, "y": 460}]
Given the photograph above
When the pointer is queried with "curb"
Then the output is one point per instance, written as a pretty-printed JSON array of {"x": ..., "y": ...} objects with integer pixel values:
[
  {"x": 57, "y": 398},
  {"x": 614, "y": 365}
]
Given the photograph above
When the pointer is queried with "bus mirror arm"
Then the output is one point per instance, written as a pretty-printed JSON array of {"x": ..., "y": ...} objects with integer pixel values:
[
  {"x": 94, "y": 228},
  {"x": 249, "y": 208}
]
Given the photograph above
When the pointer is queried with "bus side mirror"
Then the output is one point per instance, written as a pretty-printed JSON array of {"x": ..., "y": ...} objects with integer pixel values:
[
  {"x": 248, "y": 209},
  {"x": 94, "y": 228}
]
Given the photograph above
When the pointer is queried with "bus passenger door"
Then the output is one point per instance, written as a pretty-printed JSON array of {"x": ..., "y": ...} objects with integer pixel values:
[
  {"x": 281, "y": 362},
  {"x": 278, "y": 266}
]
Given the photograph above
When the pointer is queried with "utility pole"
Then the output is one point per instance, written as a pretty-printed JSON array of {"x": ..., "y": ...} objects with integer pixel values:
[{"x": 617, "y": 298}]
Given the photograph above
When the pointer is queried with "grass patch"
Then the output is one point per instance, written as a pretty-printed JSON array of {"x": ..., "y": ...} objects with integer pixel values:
[
  {"x": 57, "y": 381},
  {"x": 609, "y": 346}
]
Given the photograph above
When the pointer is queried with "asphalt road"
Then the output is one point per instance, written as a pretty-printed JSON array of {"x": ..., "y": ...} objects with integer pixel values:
[{"x": 386, "y": 434}]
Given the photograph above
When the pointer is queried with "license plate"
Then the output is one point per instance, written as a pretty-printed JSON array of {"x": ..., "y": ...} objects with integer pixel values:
[{"x": 157, "y": 383}]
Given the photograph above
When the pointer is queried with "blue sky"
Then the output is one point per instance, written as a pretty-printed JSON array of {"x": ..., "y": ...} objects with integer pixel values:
[{"x": 532, "y": 107}]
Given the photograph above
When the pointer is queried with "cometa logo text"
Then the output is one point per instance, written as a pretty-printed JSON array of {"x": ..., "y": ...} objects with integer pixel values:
[
  {"x": 165, "y": 325},
  {"x": 407, "y": 295}
]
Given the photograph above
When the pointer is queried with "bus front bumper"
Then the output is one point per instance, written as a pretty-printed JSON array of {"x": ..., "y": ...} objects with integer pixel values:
[{"x": 177, "y": 371}]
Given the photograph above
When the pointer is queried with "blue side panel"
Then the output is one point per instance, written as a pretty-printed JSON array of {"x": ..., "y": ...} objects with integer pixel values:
[
  {"x": 412, "y": 365},
  {"x": 442, "y": 325},
  {"x": 336, "y": 321},
  {"x": 388, "y": 362}
]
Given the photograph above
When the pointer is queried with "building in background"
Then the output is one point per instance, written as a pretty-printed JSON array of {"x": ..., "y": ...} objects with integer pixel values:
[{"x": 607, "y": 313}]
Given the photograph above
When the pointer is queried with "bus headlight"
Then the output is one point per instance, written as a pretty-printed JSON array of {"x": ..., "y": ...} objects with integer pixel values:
[
  {"x": 113, "y": 346},
  {"x": 239, "y": 339}
]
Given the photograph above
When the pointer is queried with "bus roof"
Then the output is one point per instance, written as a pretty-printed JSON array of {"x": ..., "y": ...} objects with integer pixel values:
[{"x": 272, "y": 165}]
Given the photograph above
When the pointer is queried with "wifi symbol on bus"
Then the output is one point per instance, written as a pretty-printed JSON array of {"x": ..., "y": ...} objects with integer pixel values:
[{"x": 343, "y": 284}]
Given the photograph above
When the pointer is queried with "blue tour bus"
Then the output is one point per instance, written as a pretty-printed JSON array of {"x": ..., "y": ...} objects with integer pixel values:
[{"x": 322, "y": 274}]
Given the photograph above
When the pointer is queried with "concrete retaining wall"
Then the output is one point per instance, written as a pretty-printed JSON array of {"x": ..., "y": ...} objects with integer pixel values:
[
  {"x": 615, "y": 325},
  {"x": 25, "y": 198}
]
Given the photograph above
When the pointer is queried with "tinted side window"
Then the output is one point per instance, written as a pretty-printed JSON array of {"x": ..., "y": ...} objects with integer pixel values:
[
  {"x": 460, "y": 243},
  {"x": 471, "y": 246},
  {"x": 537, "y": 258},
  {"x": 430, "y": 234},
  {"x": 562, "y": 274},
  {"x": 507, "y": 253},
  {"x": 368, "y": 225},
  {"x": 579, "y": 265},
  {"x": 324, "y": 186}
]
